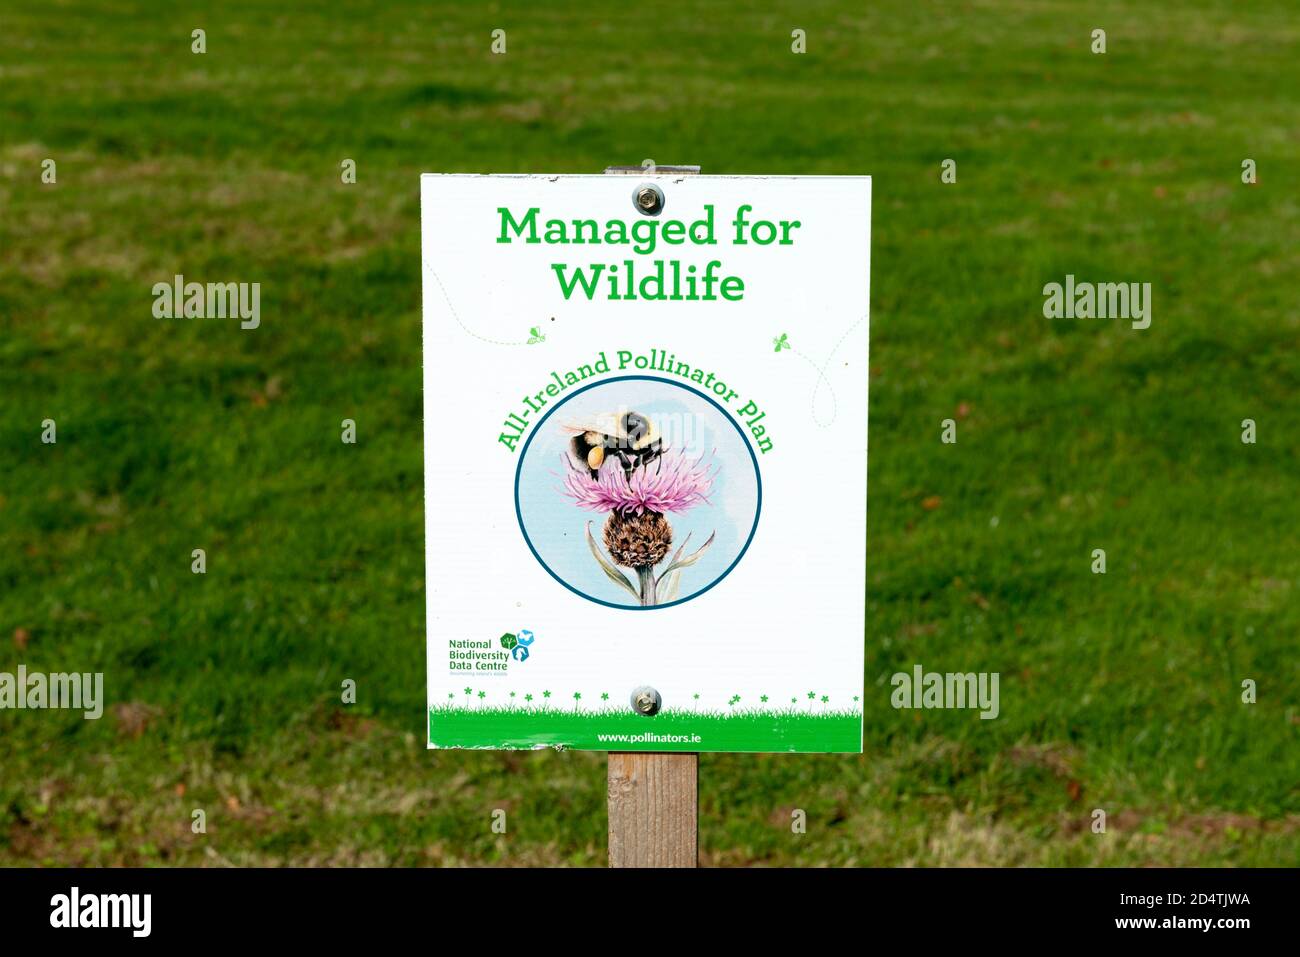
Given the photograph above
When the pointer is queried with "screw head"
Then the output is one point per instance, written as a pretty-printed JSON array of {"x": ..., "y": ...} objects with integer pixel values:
[
  {"x": 646, "y": 701},
  {"x": 648, "y": 199}
]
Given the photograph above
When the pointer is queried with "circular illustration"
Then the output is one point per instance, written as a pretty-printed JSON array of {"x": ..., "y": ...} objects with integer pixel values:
[{"x": 637, "y": 492}]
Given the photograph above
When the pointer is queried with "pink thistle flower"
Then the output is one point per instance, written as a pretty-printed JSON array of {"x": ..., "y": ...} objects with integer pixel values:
[{"x": 670, "y": 483}]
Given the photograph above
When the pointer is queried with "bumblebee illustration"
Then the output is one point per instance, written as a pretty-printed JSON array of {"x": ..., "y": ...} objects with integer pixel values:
[{"x": 629, "y": 437}]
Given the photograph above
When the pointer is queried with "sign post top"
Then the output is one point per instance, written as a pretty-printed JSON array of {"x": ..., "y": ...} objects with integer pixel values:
[{"x": 664, "y": 170}]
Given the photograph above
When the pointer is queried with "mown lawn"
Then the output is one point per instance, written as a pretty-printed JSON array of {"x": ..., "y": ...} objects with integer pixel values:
[{"x": 1119, "y": 691}]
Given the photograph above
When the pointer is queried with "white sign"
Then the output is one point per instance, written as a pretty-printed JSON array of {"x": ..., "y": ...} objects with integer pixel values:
[{"x": 645, "y": 406}]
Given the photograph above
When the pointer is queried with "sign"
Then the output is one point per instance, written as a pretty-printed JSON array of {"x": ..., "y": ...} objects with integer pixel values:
[{"x": 645, "y": 415}]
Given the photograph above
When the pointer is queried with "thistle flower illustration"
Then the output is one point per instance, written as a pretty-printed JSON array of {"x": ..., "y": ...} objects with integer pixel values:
[{"x": 637, "y": 495}]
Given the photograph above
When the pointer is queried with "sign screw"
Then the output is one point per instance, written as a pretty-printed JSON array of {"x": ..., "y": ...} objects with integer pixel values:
[
  {"x": 646, "y": 701},
  {"x": 648, "y": 199}
]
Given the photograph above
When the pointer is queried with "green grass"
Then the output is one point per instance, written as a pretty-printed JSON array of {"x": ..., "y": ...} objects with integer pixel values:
[
  {"x": 1119, "y": 692},
  {"x": 741, "y": 729}
]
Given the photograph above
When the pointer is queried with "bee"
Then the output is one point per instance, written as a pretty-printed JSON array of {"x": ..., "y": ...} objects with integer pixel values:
[{"x": 629, "y": 437}]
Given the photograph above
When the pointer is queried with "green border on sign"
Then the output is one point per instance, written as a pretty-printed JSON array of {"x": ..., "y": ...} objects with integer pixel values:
[{"x": 792, "y": 730}]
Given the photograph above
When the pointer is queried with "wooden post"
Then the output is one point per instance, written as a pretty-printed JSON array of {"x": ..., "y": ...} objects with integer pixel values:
[
  {"x": 653, "y": 797},
  {"x": 653, "y": 809}
]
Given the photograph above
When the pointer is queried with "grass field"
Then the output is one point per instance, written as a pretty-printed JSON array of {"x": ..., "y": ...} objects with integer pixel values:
[{"x": 1120, "y": 691}]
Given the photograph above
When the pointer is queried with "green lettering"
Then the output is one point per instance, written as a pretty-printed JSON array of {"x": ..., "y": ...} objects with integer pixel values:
[
  {"x": 588, "y": 286},
  {"x": 508, "y": 221}
]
